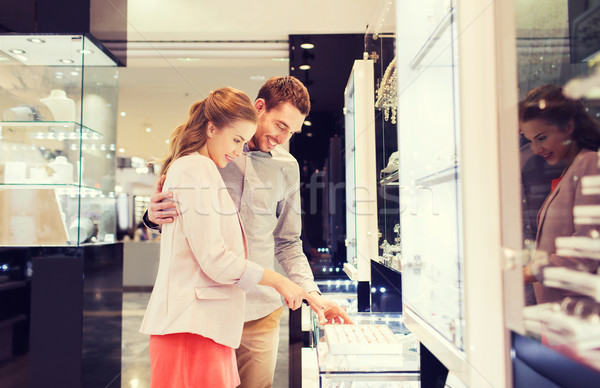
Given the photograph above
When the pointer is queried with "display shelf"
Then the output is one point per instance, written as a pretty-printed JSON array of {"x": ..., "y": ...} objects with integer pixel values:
[
  {"x": 449, "y": 174},
  {"x": 390, "y": 180},
  {"x": 61, "y": 189},
  {"x": 351, "y": 271},
  {"x": 437, "y": 33}
]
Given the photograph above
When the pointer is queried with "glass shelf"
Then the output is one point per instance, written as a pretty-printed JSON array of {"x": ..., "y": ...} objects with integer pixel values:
[
  {"x": 61, "y": 189},
  {"x": 56, "y": 130},
  {"x": 390, "y": 180}
]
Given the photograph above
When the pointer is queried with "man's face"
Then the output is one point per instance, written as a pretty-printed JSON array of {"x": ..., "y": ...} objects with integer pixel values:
[{"x": 275, "y": 126}]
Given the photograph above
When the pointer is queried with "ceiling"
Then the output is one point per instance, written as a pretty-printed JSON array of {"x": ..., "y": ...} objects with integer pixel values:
[{"x": 181, "y": 49}]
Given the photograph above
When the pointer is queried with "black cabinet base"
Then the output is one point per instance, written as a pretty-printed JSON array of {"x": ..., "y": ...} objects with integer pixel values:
[
  {"x": 73, "y": 309},
  {"x": 433, "y": 372}
]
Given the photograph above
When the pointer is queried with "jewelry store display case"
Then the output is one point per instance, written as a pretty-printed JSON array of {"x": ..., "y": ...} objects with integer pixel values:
[
  {"x": 58, "y": 103},
  {"x": 450, "y": 134},
  {"x": 361, "y": 193},
  {"x": 351, "y": 369}
]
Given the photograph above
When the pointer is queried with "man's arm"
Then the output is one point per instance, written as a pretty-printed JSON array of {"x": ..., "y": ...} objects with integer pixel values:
[
  {"x": 289, "y": 253},
  {"x": 162, "y": 209}
]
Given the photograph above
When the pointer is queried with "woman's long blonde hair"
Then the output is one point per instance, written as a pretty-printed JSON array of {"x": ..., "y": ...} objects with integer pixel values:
[{"x": 222, "y": 107}]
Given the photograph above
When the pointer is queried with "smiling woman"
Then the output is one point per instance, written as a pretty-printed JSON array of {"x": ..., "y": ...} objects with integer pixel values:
[{"x": 563, "y": 134}]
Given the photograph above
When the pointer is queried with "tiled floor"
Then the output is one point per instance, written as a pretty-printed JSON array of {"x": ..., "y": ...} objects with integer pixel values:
[{"x": 135, "y": 358}]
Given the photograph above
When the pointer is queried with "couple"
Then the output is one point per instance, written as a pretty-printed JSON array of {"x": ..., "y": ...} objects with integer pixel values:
[{"x": 233, "y": 208}]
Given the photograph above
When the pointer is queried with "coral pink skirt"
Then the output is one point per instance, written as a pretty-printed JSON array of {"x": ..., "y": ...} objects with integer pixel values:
[{"x": 186, "y": 360}]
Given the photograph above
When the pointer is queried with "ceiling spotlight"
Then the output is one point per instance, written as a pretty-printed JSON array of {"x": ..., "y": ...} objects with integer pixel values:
[
  {"x": 123, "y": 114},
  {"x": 307, "y": 46},
  {"x": 167, "y": 141},
  {"x": 85, "y": 52},
  {"x": 121, "y": 150},
  {"x": 148, "y": 129},
  {"x": 307, "y": 123},
  {"x": 67, "y": 61},
  {"x": 74, "y": 73},
  {"x": 17, "y": 51},
  {"x": 304, "y": 67},
  {"x": 36, "y": 40}
]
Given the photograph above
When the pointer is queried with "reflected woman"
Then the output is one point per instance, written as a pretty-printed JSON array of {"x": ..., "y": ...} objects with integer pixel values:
[
  {"x": 563, "y": 134},
  {"x": 196, "y": 311}
]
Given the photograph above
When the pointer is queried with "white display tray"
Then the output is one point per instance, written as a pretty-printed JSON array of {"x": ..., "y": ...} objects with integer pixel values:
[{"x": 361, "y": 339}]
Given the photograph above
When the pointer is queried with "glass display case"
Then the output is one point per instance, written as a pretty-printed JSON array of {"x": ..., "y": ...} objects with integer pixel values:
[
  {"x": 429, "y": 170},
  {"x": 361, "y": 193},
  {"x": 58, "y": 102},
  {"x": 372, "y": 370},
  {"x": 449, "y": 64},
  {"x": 380, "y": 46}
]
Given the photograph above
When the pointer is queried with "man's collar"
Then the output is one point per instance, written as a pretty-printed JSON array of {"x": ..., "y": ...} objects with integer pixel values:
[{"x": 247, "y": 150}]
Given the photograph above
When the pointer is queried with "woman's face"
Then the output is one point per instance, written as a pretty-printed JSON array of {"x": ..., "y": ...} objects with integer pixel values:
[
  {"x": 551, "y": 142},
  {"x": 226, "y": 143}
]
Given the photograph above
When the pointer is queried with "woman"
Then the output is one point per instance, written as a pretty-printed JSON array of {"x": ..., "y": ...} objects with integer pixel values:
[
  {"x": 196, "y": 312},
  {"x": 561, "y": 132}
]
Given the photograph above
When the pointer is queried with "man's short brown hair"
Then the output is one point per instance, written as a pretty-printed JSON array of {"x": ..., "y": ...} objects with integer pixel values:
[{"x": 279, "y": 90}]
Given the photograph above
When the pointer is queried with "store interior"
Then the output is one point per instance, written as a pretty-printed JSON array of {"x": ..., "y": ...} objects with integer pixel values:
[{"x": 421, "y": 193}]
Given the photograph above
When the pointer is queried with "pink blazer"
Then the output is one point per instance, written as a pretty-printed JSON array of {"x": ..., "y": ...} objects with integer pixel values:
[
  {"x": 555, "y": 219},
  {"x": 203, "y": 272}
]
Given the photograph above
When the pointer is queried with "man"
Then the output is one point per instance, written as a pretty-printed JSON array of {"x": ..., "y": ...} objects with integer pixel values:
[{"x": 264, "y": 183}]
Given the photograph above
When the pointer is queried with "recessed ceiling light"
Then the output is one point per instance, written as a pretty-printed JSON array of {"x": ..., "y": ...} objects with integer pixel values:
[
  {"x": 307, "y": 123},
  {"x": 148, "y": 129},
  {"x": 167, "y": 141},
  {"x": 123, "y": 114},
  {"x": 67, "y": 61},
  {"x": 307, "y": 46},
  {"x": 74, "y": 73},
  {"x": 121, "y": 150},
  {"x": 85, "y": 52},
  {"x": 304, "y": 67},
  {"x": 17, "y": 51},
  {"x": 36, "y": 40}
]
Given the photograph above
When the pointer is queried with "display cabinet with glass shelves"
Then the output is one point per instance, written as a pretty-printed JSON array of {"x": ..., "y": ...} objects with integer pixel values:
[
  {"x": 448, "y": 143},
  {"x": 353, "y": 365},
  {"x": 58, "y": 102},
  {"x": 58, "y": 130},
  {"x": 361, "y": 193}
]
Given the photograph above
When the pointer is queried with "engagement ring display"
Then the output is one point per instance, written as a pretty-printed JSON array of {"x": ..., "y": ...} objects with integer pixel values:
[{"x": 361, "y": 339}]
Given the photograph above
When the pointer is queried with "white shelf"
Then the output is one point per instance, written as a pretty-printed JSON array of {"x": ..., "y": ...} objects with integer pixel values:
[
  {"x": 447, "y": 174},
  {"x": 60, "y": 130},
  {"x": 351, "y": 271}
]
